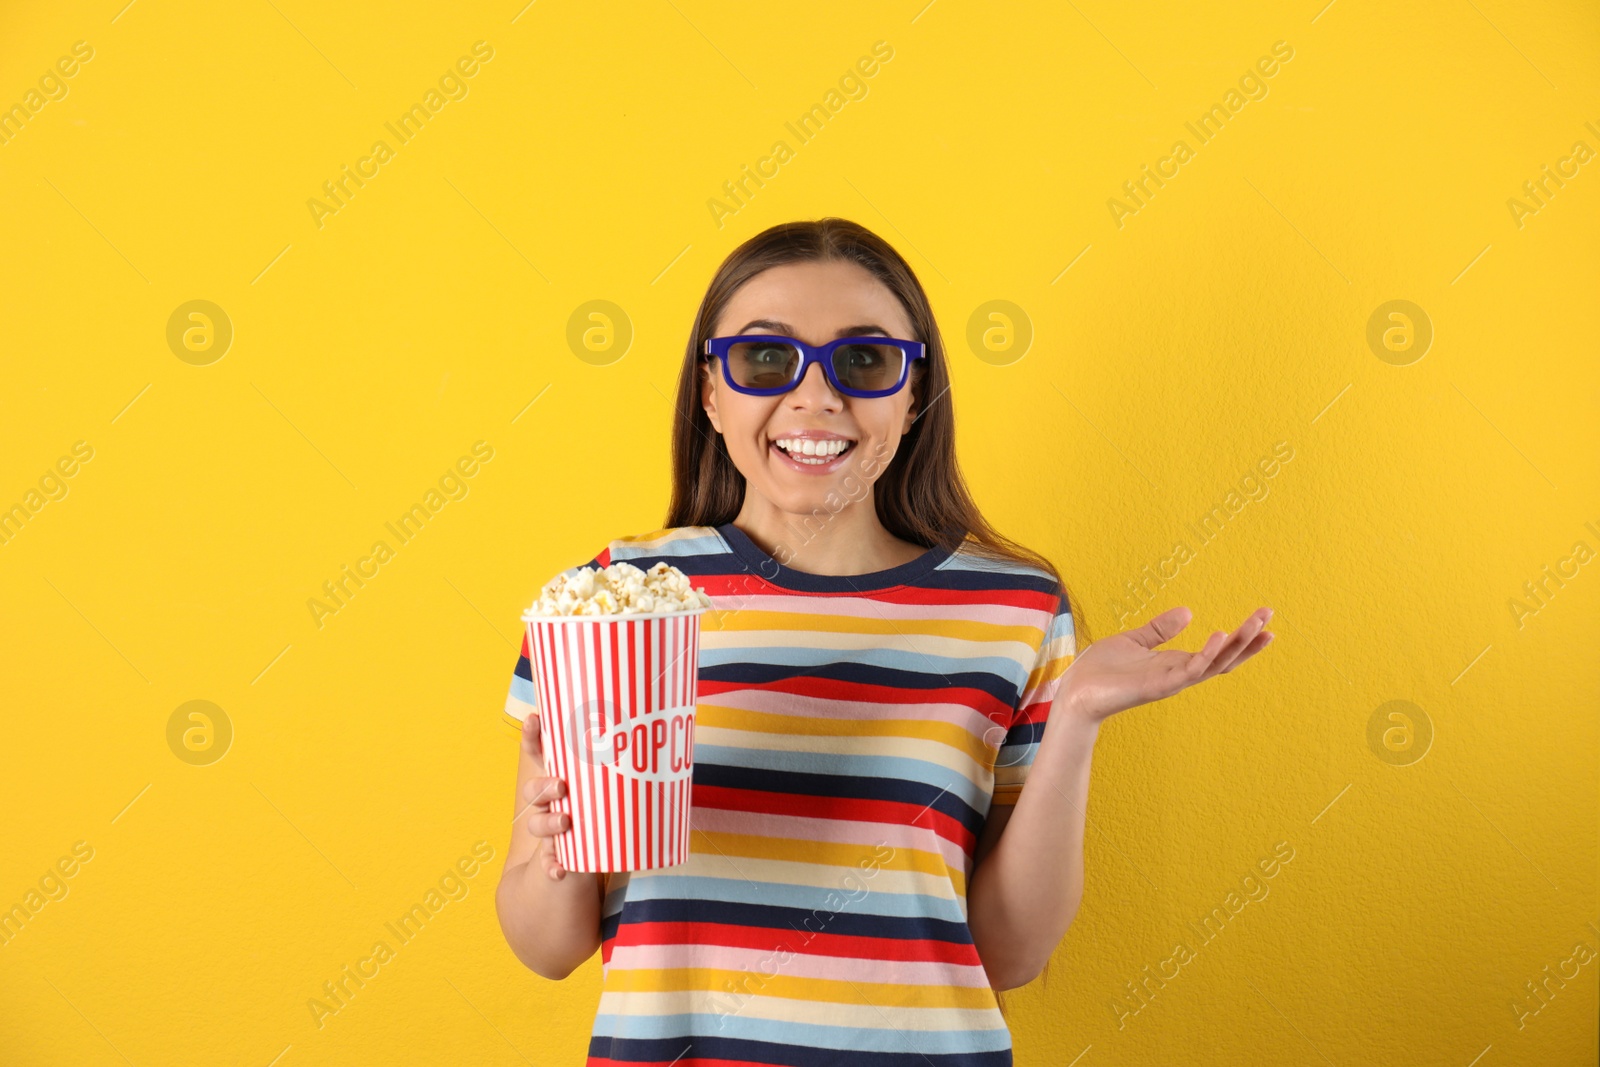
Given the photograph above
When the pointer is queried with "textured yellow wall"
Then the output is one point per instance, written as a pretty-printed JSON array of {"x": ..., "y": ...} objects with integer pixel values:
[{"x": 1178, "y": 346}]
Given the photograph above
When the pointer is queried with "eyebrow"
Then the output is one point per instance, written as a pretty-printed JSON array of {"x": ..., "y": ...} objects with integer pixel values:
[{"x": 785, "y": 328}]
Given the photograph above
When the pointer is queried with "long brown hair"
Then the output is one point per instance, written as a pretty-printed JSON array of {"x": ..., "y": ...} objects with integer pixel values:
[{"x": 920, "y": 497}]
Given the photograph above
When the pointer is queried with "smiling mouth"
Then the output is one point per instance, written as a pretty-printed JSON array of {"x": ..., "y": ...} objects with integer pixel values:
[{"x": 830, "y": 452}]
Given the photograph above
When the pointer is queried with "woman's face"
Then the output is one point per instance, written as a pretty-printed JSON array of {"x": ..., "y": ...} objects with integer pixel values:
[{"x": 816, "y": 303}]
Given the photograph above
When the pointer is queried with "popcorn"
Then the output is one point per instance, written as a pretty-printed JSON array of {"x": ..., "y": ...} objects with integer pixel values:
[{"x": 620, "y": 589}]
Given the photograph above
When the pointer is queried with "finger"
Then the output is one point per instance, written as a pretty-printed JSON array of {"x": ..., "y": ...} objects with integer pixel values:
[
  {"x": 1242, "y": 639},
  {"x": 1163, "y": 627},
  {"x": 552, "y": 866},
  {"x": 1239, "y": 641},
  {"x": 1195, "y": 668},
  {"x": 549, "y": 823},
  {"x": 530, "y": 736},
  {"x": 1263, "y": 639},
  {"x": 539, "y": 792}
]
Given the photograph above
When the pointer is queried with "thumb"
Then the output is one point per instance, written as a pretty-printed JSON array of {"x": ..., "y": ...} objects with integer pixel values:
[{"x": 1162, "y": 628}]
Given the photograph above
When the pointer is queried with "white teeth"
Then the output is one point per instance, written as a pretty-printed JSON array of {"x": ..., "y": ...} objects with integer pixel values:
[{"x": 809, "y": 447}]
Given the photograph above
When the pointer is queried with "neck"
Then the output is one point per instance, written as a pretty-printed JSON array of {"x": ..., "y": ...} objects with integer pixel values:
[{"x": 850, "y": 541}]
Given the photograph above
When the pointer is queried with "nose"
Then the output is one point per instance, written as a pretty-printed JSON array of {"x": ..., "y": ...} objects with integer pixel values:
[{"x": 815, "y": 391}]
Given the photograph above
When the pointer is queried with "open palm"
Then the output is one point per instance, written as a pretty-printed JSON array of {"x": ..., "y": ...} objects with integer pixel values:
[{"x": 1128, "y": 669}]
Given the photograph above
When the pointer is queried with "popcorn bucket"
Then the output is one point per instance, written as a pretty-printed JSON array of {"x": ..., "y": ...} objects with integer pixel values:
[{"x": 616, "y": 700}]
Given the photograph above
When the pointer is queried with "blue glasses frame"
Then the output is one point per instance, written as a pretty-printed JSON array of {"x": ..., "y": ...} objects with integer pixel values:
[{"x": 823, "y": 354}]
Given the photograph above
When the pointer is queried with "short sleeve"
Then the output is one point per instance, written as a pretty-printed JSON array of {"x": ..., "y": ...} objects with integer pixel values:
[
  {"x": 520, "y": 698},
  {"x": 1056, "y": 650}
]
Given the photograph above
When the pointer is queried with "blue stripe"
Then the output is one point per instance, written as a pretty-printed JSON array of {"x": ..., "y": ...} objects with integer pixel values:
[
  {"x": 1025, "y": 733},
  {"x": 897, "y": 790},
  {"x": 707, "y": 545},
  {"x": 972, "y": 670},
  {"x": 802, "y": 921},
  {"x": 1006, "y": 688},
  {"x": 904, "y": 768},
  {"x": 522, "y": 689},
  {"x": 727, "y": 1024},
  {"x": 666, "y": 1050},
  {"x": 783, "y": 895}
]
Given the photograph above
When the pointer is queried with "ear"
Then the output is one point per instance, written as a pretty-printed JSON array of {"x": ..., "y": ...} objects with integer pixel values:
[
  {"x": 708, "y": 392},
  {"x": 914, "y": 387}
]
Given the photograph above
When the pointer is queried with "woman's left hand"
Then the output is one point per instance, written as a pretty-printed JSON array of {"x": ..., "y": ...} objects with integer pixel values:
[{"x": 1126, "y": 669}]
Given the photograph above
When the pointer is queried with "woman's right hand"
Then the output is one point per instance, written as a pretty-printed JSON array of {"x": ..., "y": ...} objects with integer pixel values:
[{"x": 537, "y": 793}]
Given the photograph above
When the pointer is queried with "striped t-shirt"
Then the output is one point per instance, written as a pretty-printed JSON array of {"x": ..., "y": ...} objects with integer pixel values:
[{"x": 851, "y": 734}]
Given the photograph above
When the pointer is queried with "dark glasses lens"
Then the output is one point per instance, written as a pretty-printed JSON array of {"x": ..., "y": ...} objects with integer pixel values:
[
  {"x": 868, "y": 367},
  {"x": 772, "y": 365},
  {"x": 762, "y": 364}
]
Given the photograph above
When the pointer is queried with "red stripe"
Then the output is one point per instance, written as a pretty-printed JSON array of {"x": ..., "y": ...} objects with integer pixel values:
[
  {"x": 1038, "y": 711},
  {"x": 669, "y": 651},
  {"x": 650, "y": 806},
  {"x": 839, "y": 689},
  {"x": 682, "y": 1061},
  {"x": 675, "y": 699},
  {"x": 652, "y": 789},
  {"x": 744, "y": 585},
  {"x": 548, "y": 654},
  {"x": 839, "y": 809},
  {"x": 636, "y": 812},
  {"x": 563, "y": 685},
  {"x": 802, "y": 941},
  {"x": 608, "y": 777},
  {"x": 656, "y": 649},
  {"x": 621, "y": 816},
  {"x": 592, "y": 835},
  {"x": 632, "y": 714},
  {"x": 556, "y": 741}
]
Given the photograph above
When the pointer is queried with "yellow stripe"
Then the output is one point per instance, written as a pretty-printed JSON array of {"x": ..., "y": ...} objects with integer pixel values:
[
  {"x": 965, "y": 630},
  {"x": 766, "y": 722},
  {"x": 880, "y": 994},
  {"x": 1005, "y": 794},
  {"x": 829, "y": 853},
  {"x": 1053, "y": 669},
  {"x": 664, "y": 536}
]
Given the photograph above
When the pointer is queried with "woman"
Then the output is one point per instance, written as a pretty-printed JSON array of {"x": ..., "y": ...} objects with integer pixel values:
[{"x": 867, "y": 869}]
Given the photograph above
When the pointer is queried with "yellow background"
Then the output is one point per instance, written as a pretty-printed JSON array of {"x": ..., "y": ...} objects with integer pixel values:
[{"x": 1228, "y": 314}]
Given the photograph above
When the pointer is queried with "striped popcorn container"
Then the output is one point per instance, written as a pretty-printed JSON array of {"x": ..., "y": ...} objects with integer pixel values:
[{"x": 616, "y": 700}]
